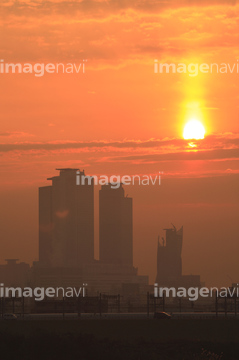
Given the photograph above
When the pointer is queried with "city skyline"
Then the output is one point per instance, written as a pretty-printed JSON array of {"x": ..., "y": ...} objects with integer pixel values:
[
  {"x": 167, "y": 210},
  {"x": 67, "y": 186},
  {"x": 66, "y": 239}
]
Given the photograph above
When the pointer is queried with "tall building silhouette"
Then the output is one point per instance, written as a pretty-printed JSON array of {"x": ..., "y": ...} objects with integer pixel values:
[
  {"x": 169, "y": 261},
  {"x": 66, "y": 220},
  {"x": 116, "y": 226}
]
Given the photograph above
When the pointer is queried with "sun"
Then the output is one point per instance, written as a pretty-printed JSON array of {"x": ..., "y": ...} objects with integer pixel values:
[{"x": 194, "y": 129}]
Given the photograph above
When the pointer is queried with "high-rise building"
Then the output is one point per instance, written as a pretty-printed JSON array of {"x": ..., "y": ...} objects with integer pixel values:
[
  {"x": 169, "y": 260},
  {"x": 66, "y": 220},
  {"x": 116, "y": 226}
]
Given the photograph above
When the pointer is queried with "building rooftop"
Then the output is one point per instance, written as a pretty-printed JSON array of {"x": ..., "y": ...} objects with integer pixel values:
[{"x": 67, "y": 169}]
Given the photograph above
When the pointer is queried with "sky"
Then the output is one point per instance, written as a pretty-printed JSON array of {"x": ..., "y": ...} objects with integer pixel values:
[{"x": 120, "y": 117}]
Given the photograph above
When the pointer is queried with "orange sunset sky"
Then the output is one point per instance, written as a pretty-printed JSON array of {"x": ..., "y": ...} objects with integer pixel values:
[{"x": 119, "y": 117}]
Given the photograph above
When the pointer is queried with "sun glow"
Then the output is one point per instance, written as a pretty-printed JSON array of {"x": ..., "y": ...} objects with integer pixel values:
[{"x": 194, "y": 129}]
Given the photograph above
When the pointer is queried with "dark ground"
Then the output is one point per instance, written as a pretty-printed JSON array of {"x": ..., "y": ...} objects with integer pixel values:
[{"x": 119, "y": 339}]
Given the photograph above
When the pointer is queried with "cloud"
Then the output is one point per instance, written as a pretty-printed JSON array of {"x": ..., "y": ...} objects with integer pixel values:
[
  {"x": 48, "y": 146},
  {"x": 115, "y": 31},
  {"x": 219, "y": 146},
  {"x": 14, "y": 134},
  {"x": 222, "y": 154},
  {"x": 102, "y": 8}
]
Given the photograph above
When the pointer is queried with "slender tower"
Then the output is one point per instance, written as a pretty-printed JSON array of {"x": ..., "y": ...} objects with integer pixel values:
[
  {"x": 169, "y": 260},
  {"x": 116, "y": 226}
]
